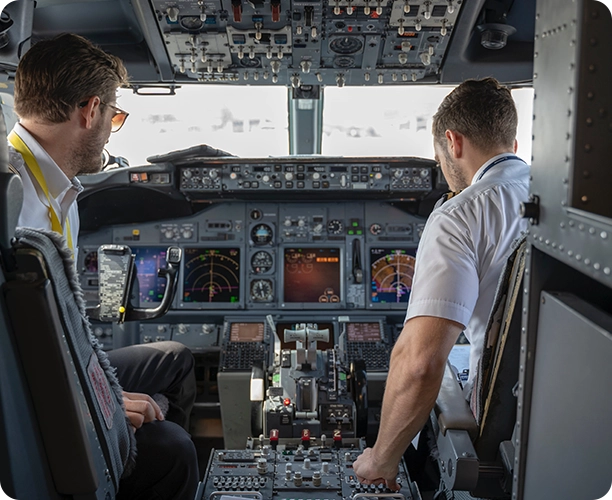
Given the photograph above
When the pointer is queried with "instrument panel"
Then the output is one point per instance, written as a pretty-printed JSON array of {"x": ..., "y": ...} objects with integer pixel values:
[{"x": 272, "y": 256}]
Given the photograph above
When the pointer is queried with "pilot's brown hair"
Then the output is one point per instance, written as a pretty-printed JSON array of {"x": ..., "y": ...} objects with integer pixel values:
[
  {"x": 481, "y": 110},
  {"x": 56, "y": 75}
]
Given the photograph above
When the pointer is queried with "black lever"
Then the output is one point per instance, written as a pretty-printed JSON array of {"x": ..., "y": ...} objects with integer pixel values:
[{"x": 357, "y": 271}]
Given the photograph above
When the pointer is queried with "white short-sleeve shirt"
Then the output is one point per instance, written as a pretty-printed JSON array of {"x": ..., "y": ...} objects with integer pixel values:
[
  {"x": 63, "y": 191},
  {"x": 464, "y": 246}
]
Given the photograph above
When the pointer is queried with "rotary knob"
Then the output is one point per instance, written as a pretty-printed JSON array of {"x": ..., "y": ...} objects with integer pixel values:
[{"x": 288, "y": 176}]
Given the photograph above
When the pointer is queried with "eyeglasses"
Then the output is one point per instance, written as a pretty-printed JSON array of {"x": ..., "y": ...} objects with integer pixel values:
[{"x": 118, "y": 118}]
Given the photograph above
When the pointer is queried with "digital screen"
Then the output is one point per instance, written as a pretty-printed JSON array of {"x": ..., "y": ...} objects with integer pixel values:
[
  {"x": 148, "y": 261},
  {"x": 211, "y": 275},
  {"x": 311, "y": 275},
  {"x": 363, "y": 332},
  {"x": 247, "y": 332},
  {"x": 321, "y": 346},
  {"x": 392, "y": 271}
]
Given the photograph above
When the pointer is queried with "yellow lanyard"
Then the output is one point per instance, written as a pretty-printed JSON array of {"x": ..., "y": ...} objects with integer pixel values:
[{"x": 30, "y": 161}]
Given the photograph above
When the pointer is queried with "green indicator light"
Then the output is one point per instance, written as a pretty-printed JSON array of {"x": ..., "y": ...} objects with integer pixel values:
[
  {"x": 342, "y": 376},
  {"x": 355, "y": 224},
  {"x": 359, "y": 231},
  {"x": 276, "y": 377},
  {"x": 351, "y": 232}
]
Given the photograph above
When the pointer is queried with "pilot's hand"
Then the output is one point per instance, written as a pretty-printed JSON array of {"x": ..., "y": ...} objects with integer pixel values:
[
  {"x": 371, "y": 470},
  {"x": 141, "y": 409}
]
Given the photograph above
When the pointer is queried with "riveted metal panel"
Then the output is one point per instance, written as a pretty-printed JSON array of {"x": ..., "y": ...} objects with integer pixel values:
[
  {"x": 572, "y": 149},
  {"x": 569, "y": 427}
]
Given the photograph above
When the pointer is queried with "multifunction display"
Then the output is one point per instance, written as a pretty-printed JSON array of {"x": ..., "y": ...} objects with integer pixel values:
[
  {"x": 392, "y": 270},
  {"x": 311, "y": 275},
  {"x": 211, "y": 275}
]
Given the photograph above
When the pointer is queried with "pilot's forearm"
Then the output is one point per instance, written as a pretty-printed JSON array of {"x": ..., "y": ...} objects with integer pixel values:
[{"x": 415, "y": 375}]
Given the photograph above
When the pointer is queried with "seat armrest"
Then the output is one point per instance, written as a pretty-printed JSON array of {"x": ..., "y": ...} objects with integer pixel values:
[{"x": 452, "y": 410}]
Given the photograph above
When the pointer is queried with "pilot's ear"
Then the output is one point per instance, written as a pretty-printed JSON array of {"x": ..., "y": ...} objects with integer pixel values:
[
  {"x": 515, "y": 145},
  {"x": 454, "y": 142},
  {"x": 88, "y": 110}
]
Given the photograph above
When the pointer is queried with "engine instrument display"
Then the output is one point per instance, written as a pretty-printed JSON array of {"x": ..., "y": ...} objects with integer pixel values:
[
  {"x": 247, "y": 332},
  {"x": 363, "y": 332},
  {"x": 311, "y": 275},
  {"x": 392, "y": 271},
  {"x": 211, "y": 275},
  {"x": 148, "y": 261}
]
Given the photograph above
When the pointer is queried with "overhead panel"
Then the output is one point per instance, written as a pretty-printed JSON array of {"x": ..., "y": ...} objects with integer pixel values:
[{"x": 303, "y": 42}]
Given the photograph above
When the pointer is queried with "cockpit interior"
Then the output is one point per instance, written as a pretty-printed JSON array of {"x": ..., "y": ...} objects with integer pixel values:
[{"x": 278, "y": 168}]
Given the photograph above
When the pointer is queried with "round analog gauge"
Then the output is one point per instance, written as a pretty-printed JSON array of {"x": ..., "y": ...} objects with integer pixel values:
[
  {"x": 191, "y": 22},
  {"x": 262, "y": 291},
  {"x": 335, "y": 226},
  {"x": 261, "y": 234},
  {"x": 261, "y": 262},
  {"x": 376, "y": 229}
]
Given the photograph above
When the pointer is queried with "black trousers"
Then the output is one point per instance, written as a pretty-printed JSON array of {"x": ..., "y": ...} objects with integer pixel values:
[{"x": 166, "y": 465}]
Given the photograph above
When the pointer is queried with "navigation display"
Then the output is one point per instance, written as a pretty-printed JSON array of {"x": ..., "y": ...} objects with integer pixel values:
[
  {"x": 247, "y": 332},
  {"x": 148, "y": 261},
  {"x": 392, "y": 270},
  {"x": 211, "y": 275},
  {"x": 363, "y": 332},
  {"x": 311, "y": 275}
]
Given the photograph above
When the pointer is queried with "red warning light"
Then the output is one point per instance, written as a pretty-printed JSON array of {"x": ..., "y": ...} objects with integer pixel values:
[{"x": 287, "y": 401}]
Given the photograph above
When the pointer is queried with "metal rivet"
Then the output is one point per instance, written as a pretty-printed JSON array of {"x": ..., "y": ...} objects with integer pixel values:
[
  {"x": 587, "y": 148},
  {"x": 578, "y": 256},
  {"x": 586, "y": 174},
  {"x": 596, "y": 266},
  {"x": 607, "y": 271},
  {"x": 603, "y": 235},
  {"x": 561, "y": 248},
  {"x": 590, "y": 96},
  {"x": 587, "y": 262},
  {"x": 589, "y": 122},
  {"x": 581, "y": 227},
  {"x": 572, "y": 223},
  {"x": 591, "y": 230},
  {"x": 562, "y": 225},
  {"x": 584, "y": 199}
]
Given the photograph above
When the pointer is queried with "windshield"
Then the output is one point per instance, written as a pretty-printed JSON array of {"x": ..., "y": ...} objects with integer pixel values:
[
  {"x": 253, "y": 121},
  {"x": 244, "y": 121}
]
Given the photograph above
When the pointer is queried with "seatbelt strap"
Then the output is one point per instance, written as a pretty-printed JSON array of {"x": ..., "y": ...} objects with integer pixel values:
[{"x": 30, "y": 161}]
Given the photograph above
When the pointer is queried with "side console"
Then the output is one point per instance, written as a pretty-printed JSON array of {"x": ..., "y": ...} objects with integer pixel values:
[{"x": 288, "y": 469}]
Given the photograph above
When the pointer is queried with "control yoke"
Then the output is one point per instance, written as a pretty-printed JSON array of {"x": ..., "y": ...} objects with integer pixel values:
[
  {"x": 305, "y": 337},
  {"x": 116, "y": 274}
]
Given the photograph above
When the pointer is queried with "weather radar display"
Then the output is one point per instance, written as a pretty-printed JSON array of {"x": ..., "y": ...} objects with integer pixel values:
[
  {"x": 392, "y": 271},
  {"x": 211, "y": 275}
]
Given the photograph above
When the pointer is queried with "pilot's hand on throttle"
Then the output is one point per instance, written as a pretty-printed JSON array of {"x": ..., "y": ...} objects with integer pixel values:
[
  {"x": 141, "y": 409},
  {"x": 371, "y": 470}
]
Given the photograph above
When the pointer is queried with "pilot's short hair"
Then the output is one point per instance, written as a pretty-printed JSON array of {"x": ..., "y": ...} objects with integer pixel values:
[
  {"x": 56, "y": 75},
  {"x": 481, "y": 110}
]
